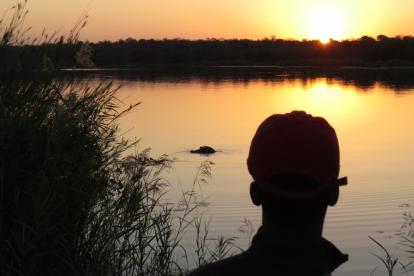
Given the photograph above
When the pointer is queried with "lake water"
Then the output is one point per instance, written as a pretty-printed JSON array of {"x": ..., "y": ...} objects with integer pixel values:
[{"x": 373, "y": 114}]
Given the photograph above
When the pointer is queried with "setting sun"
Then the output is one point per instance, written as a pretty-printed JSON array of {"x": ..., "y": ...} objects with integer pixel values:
[{"x": 326, "y": 23}]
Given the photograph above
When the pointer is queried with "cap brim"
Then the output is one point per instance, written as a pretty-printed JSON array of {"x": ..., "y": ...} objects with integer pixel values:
[
  {"x": 342, "y": 181},
  {"x": 305, "y": 193}
]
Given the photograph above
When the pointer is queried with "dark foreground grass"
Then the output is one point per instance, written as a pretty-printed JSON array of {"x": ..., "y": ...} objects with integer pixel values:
[
  {"x": 73, "y": 200},
  {"x": 68, "y": 198}
]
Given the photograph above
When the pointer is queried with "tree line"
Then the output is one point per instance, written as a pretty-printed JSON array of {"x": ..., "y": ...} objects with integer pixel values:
[{"x": 364, "y": 51}]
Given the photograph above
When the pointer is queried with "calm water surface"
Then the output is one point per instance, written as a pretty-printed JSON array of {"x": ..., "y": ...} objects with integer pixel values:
[{"x": 374, "y": 124}]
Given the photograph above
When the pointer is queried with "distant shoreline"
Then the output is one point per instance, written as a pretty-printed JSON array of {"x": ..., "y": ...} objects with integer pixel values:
[
  {"x": 167, "y": 67},
  {"x": 382, "y": 53},
  {"x": 398, "y": 78}
]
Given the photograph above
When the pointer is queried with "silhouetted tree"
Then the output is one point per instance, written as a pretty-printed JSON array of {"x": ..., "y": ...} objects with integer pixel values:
[{"x": 364, "y": 51}]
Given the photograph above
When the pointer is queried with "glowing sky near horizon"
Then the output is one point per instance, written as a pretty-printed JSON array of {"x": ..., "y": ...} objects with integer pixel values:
[{"x": 193, "y": 19}]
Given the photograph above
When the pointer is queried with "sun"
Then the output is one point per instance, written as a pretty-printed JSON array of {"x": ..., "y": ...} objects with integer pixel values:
[{"x": 325, "y": 23}]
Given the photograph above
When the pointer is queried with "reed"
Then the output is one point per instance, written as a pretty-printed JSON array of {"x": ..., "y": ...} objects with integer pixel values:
[
  {"x": 73, "y": 199},
  {"x": 389, "y": 262}
]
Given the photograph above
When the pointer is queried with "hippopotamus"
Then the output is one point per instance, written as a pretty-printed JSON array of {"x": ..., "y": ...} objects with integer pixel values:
[{"x": 204, "y": 150}]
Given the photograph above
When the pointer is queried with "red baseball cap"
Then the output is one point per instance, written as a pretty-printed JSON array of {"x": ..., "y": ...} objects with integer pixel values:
[{"x": 295, "y": 143}]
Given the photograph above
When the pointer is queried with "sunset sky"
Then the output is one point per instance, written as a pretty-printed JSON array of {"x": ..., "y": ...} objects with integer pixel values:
[{"x": 193, "y": 19}]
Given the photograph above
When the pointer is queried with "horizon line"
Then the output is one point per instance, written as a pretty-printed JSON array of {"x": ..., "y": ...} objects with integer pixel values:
[{"x": 271, "y": 38}]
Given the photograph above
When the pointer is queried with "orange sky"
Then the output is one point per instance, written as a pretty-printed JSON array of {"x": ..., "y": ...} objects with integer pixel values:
[{"x": 320, "y": 19}]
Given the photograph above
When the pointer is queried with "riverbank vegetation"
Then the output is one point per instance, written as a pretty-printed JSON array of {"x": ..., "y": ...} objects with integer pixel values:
[
  {"x": 75, "y": 202},
  {"x": 75, "y": 198}
]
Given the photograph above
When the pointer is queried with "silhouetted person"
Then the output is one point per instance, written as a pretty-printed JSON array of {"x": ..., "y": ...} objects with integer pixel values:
[{"x": 294, "y": 161}]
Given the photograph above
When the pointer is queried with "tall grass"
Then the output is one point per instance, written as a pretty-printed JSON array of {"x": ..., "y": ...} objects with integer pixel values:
[
  {"x": 389, "y": 262},
  {"x": 21, "y": 52},
  {"x": 73, "y": 200},
  {"x": 408, "y": 238},
  {"x": 63, "y": 181}
]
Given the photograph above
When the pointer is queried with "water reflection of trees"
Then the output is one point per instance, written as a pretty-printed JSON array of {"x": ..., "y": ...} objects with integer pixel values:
[{"x": 397, "y": 80}]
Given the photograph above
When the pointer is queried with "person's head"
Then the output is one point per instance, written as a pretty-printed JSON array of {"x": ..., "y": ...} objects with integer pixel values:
[{"x": 294, "y": 162}]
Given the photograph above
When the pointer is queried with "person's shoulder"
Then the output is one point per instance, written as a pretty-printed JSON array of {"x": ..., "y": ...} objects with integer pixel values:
[
  {"x": 253, "y": 262},
  {"x": 235, "y": 265}
]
